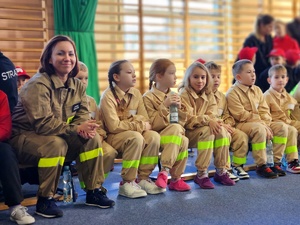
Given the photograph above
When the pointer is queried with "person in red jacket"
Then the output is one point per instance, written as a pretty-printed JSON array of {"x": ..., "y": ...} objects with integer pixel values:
[
  {"x": 9, "y": 171},
  {"x": 282, "y": 39}
]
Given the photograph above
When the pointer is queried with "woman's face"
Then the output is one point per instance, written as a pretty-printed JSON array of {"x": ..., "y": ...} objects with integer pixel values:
[
  {"x": 63, "y": 58},
  {"x": 266, "y": 29}
]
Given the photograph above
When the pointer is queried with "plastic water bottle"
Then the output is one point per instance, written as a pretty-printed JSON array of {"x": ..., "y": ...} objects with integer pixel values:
[
  {"x": 284, "y": 163},
  {"x": 173, "y": 112},
  {"x": 269, "y": 149},
  {"x": 68, "y": 187}
]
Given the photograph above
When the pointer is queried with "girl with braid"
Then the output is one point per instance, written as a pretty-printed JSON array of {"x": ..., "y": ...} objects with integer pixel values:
[
  {"x": 173, "y": 142},
  {"x": 129, "y": 131}
]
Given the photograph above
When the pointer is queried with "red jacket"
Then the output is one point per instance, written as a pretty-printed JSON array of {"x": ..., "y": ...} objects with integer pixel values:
[
  {"x": 285, "y": 43},
  {"x": 5, "y": 117}
]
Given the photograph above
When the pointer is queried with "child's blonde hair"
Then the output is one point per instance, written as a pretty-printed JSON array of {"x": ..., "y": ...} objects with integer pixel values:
[
  {"x": 159, "y": 66},
  {"x": 186, "y": 79},
  {"x": 82, "y": 67},
  {"x": 276, "y": 68},
  {"x": 238, "y": 66},
  {"x": 211, "y": 65}
]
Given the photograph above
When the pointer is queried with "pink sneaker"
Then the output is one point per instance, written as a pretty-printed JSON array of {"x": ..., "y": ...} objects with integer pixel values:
[
  {"x": 224, "y": 179},
  {"x": 204, "y": 183},
  {"x": 179, "y": 185},
  {"x": 161, "y": 180}
]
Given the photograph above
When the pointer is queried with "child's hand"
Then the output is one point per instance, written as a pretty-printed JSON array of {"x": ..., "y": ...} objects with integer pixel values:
[
  {"x": 148, "y": 126},
  {"x": 178, "y": 100},
  {"x": 215, "y": 127},
  {"x": 229, "y": 128},
  {"x": 172, "y": 98},
  {"x": 269, "y": 133}
]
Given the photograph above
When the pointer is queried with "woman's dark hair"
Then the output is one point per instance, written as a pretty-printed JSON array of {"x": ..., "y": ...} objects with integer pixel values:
[
  {"x": 115, "y": 68},
  {"x": 262, "y": 19},
  {"x": 48, "y": 68}
]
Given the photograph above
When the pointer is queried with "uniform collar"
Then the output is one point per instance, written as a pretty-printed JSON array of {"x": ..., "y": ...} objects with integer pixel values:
[
  {"x": 217, "y": 94},
  {"x": 278, "y": 94},
  {"x": 244, "y": 88},
  {"x": 159, "y": 94},
  {"x": 123, "y": 95},
  {"x": 195, "y": 95},
  {"x": 59, "y": 84}
]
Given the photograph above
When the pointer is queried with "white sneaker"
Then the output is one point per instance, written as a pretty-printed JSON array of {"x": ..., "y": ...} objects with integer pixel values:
[
  {"x": 293, "y": 167},
  {"x": 20, "y": 216},
  {"x": 131, "y": 190},
  {"x": 233, "y": 177},
  {"x": 240, "y": 172},
  {"x": 150, "y": 187}
]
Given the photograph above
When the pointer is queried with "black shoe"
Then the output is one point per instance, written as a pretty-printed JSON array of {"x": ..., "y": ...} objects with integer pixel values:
[
  {"x": 98, "y": 198},
  {"x": 265, "y": 171},
  {"x": 47, "y": 208},
  {"x": 277, "y": 169}
]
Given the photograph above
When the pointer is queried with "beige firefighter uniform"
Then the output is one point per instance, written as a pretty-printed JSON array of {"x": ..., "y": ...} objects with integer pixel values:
[
  {"x": 202, "y": 110},
  {"x": 281, "y": 105},
  {"x": 251, "y": 113},
  {"x": 239, "y": 140},
  {"x": 173, "y": 141},
  {"x": 124, "y": 120},
  {"x": 109, "y": 153},
  {"x": 45, "y": 121}
]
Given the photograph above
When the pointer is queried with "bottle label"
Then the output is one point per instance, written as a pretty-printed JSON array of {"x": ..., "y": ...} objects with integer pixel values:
[
  {"x": 270, "y": 159},
  {"x": 174, "y": 117}
]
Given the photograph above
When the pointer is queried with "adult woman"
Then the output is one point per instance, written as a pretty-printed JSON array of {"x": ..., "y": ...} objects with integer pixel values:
[
  {"x": 51, "y": 125},
  {"x": 261, "y": 38}
]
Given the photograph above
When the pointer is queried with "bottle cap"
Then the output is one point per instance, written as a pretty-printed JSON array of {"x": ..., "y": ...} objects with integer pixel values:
[{"x": 66, "y": 168}]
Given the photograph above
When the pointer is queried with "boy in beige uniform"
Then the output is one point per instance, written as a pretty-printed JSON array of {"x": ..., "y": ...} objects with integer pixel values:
[
  {"x": 251, "y": 113},
  {"x": 239, "y": 140},
  {"x": 281, "y": 104}
]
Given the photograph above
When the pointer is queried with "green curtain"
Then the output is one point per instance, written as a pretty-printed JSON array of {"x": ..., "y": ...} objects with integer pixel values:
[{"x": 75, "y": 18}]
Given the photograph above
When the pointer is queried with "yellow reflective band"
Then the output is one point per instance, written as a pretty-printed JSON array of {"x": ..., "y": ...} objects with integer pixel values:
[
  {"x": 106, "y": 175},
  {"x": 228, "y": 160},
  {"x": 258, "y": 146},
  {"x": 182, "y": 155},
  {"x": 239, "y": 161},
  {"x": 292, "y": 92},
  {"x": 51, "y": 162},
  {"x": 69, "y": 120},
  {"x": 90, "y": 154},
  {"x": 130, "y": 164},
  {"x": 204, "y": 145},
  {"x": 82, "y": 185},
  {"x": 279, "y": 140},
  {"x": 221, "y": 142},
  {"x": 291, "y": 149},
  {"x": 170, "y": 139},
  {"x": 149, "y": 160}
]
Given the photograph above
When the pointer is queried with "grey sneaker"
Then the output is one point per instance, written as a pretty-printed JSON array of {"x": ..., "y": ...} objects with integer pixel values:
[
  {"x": 20, "y": 216},
  {"x": 233, "y": 177},
  {"x": 240, "y": 172},
  {"x": 150, "y": 187}
]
